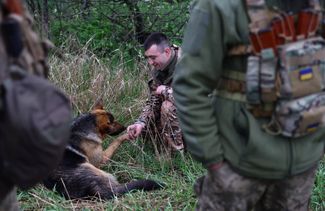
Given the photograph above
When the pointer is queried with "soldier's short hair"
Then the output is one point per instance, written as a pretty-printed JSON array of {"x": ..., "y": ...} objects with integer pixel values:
[{"x": 156, "y": 38}]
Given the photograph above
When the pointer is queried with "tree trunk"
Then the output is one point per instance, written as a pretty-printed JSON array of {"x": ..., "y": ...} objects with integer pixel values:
[
  {"x": 85, "y": 9},
  {"x": 138, "y": 21}
]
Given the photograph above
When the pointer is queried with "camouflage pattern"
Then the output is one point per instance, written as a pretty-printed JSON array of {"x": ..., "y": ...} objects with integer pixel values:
[
  {"x": 159, "y": 113},
  {"x": 224, "y": 189},
  {"x": 9, "y": 201},
  {"x": 170, "y": 128}
]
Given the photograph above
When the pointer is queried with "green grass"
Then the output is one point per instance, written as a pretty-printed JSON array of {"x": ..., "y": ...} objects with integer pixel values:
[
  {"x": 318, "y": 197},
  {"x": 85, "y": 78},
  {"x": 178, "y": 174}
]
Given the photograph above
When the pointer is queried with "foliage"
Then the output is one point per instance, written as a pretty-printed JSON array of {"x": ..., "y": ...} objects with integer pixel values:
[{"x": 112, "y": 24}]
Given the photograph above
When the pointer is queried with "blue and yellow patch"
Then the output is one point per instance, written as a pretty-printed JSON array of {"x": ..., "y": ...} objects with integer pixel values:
[
  {"x": 312, "y": 127},
  {"x": 306, "y": 74}
]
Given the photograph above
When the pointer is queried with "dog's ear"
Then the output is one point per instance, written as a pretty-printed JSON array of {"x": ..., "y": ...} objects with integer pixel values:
[{"x": 99, "y": 105}]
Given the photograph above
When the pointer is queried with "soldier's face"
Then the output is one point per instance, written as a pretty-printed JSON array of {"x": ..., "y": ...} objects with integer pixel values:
[{"x": 157, "y": 56}]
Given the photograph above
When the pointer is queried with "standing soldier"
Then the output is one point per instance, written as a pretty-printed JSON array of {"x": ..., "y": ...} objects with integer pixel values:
[
  {"x": 159, "y": 113},
  {"x": 34, "y": 115},
  {"x": 251, "y": 103}
]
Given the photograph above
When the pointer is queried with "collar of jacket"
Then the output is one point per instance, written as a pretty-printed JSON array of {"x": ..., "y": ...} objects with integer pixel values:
[{"x": 165, "y": 75}]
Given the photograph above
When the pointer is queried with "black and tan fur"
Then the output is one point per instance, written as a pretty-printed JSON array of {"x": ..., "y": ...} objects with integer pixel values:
[{"x": 78, "y": 175}]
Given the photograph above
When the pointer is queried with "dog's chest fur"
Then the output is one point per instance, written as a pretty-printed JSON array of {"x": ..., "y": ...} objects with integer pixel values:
[{"x": 91, "y": 147}]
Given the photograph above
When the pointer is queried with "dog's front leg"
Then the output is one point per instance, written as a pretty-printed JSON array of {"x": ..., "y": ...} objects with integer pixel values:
[{"x": 109, "y": 152}]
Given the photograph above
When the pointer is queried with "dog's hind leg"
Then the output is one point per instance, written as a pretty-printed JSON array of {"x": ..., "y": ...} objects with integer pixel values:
[{"x": 109, "y": 152}]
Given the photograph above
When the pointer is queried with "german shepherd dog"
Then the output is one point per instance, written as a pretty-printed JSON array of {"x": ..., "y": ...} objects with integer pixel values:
[{"x": 78, "y": 174}]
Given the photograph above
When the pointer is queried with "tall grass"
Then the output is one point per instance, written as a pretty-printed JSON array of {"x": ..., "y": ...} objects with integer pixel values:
[
  {"x": 123, "y": 88},
  {"x": 318, "y": 197},
  {"x": 85, "y": 79}
]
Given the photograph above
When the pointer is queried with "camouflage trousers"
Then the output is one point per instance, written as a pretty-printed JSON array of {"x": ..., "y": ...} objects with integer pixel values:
[
  {"x": 9, "y": 201},
  {"x": 224, "y": 189},
  {"x": 167, "y": 128}
]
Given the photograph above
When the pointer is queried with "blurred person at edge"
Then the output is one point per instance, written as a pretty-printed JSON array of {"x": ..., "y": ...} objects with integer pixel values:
[
  {"x": 34, "y": 114},
  {"x": 247, "y": 168}
]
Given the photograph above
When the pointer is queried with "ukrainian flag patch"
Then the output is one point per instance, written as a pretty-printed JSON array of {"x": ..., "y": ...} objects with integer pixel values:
[
  {"x": 312, "y": 127},
  {"x": 306, "y": 74}
]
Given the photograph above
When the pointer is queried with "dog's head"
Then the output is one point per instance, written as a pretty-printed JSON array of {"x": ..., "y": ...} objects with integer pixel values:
[{"x": 105, "y": 121}]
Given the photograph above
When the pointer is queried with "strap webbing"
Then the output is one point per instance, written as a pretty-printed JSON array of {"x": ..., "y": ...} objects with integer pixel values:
[
  {"x": 231, "y": 96},
  {"x": 235, "y": 75}
]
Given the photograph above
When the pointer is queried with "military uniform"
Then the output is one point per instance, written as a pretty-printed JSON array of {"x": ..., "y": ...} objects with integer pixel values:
[
  {"x": 159, "y": 113},
  {"x": 218, "y": 129}
]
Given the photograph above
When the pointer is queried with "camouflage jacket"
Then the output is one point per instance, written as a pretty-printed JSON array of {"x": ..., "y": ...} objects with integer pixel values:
[{"x": 151, "y": 110}]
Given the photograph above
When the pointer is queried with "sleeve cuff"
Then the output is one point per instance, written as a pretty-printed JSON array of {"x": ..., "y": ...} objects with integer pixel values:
[
  {"x": 213, "y": 162},
  {"x": 140, "y": 122}
]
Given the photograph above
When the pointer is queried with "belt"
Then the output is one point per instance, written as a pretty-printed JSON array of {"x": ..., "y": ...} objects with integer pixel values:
[{"x": 232, "y": 87}]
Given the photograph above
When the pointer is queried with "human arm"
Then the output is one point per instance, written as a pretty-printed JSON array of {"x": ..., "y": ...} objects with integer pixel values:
[
  {"x": 195, "y": 78},
  {"x": 214, "y": 28},
  {"x": 166, "y": 92},
  {"x": 149, "y": 113}
]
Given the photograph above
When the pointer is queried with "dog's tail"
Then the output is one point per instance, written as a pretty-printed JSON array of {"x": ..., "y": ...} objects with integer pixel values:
[{"x": 145, "y": 185}]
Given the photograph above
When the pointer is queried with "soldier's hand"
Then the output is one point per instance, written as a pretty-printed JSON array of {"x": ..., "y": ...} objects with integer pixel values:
[
  {"x": 215, "y": 166},
  {"x": 135, "y": 130},
  {"x": 160, "y": 89}
]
